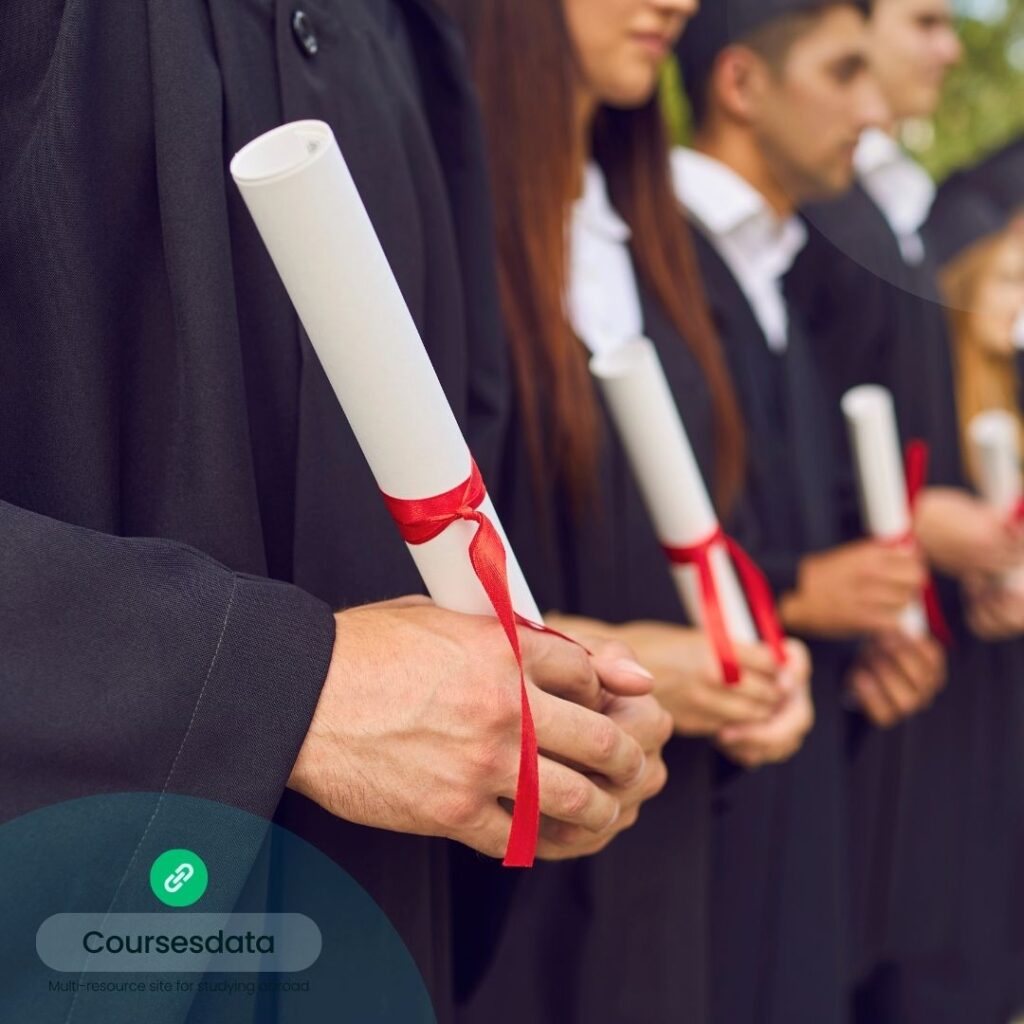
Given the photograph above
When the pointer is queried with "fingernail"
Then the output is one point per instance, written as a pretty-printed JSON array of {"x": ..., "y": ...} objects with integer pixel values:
[
  {"x": 614, "y": 818},
  {"x": 634, "y": 668}
]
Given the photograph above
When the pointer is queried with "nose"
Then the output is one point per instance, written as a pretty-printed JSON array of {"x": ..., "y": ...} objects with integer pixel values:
[
  {"x": 950, "y": 47},
  {"x": 873, "y": 110}
]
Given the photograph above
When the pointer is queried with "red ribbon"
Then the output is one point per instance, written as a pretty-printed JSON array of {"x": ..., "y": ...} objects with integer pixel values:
[
  {"x": 421, "y": 520},
  {"x": 916, "y": 463},
  {"x": 755, "y": 587}
]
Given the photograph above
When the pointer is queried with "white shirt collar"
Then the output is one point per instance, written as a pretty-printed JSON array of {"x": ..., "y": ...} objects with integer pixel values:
[
  {"x": 901, "y": 188},
  {"x": 603, "y": 301},
  {"x": 758, "y": 247}
]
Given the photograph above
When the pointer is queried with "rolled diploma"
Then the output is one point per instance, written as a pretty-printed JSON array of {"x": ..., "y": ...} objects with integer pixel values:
[
  {"x": 308, "y": 212},
  {"x": 871, "y": 420},
  {"x": 652, "y": 432},
  {"x": 995, "y": 451}
]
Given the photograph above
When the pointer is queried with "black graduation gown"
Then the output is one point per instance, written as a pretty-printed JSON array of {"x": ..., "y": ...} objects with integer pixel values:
[
  {"x": 778, "y": 917},
  {"x": 154, "y": 377},
  {"x": 940, "y": 882},
  {"x": 619, "y": 937}
]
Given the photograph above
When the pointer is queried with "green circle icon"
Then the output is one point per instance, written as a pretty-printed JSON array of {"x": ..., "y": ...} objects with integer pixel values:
[{"x": 178, "y": 878}]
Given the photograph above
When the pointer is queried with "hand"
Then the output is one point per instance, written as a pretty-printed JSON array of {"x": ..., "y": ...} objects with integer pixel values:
[
  {"x": 995, "y": 609},
  {"x": 687, "y": 674},
  {"x": 418, "y": 724},
  {"x": 781, "y": 736},
  {"x": 897, "y": 676},
  {"x": 854, "y": 589},
  {"x": 650, "y": 725},
  {"x": 960, "y": 533}
]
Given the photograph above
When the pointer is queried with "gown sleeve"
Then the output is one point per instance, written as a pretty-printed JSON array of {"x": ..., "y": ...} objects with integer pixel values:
[{"x": 145, "y": 665}]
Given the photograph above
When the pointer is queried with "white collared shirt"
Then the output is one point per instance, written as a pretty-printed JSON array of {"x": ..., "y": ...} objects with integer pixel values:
[
  {"x": 901, "y": 188},
  {"x": 757, "y": 246},
  {"x": 603, "y": 300}
]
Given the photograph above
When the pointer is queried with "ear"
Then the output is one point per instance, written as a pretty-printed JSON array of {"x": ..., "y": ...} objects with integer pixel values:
[{"x": 740, "y": 81}]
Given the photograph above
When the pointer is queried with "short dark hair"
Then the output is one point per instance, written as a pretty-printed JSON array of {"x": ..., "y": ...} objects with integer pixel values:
[{"x": 772, "y": 41}]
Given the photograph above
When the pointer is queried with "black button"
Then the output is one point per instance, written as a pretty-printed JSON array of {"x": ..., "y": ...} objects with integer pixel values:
[{"x": 305, "y": 35}]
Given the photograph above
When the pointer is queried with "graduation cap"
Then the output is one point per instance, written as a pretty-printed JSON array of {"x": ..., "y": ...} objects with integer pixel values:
[
  {"x": 1001, "y": 177},
  {"x": 961, "y": 216},
  {"x": 976, "y": 202},
  {"x": 720, "y": 23}
]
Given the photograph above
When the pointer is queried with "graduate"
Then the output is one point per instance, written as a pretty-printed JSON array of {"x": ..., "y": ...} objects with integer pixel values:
[
  {"x": 981, "y": 257},
  {"x": 156, "y": 383},
  {"x": 594, "y": 250},
  {"x": 780, "y": 93},
  {"x": 867, "y": 253}
]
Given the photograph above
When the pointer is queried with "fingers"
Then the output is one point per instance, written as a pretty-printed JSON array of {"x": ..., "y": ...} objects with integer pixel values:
[
  {"x": 772, "y": 741},
  {"x": 757, "y": 659},
  {"x": 643, "y": 718},
  {"x": 896, "y": 566},
  {"x": 619, "y": 671},
  {"x": 578, "y": 736},
  {"x": 568, "y": 796},
  {"x": 559, "y": 667},
  {"x": 920, "y": 660},
  {"x": 489, "y": 833},
  {"x": 724, "y": 705},
  {"x": 897, "y": 685},
  {"x": 872, "y": 698}
]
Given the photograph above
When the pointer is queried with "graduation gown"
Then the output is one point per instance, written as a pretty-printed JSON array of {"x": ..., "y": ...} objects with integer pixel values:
[
  {"x": 778, "y": 916},
  {"x": 618, "y": 938},
  {"x": 154, "y": 381},
  {"x": 940, "y": 880}
]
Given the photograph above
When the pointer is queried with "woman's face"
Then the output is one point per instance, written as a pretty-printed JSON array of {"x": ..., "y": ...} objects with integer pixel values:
[
  {"x": 621, "y": 45},
  {"x": 999, "y": 297}
]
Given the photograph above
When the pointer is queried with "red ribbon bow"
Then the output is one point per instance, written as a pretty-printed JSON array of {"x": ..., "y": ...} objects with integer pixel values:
[
  {"x": 421, "y": 520},
  {"x": 755, "y": 587},
  {"x": 916, "y": 461}
]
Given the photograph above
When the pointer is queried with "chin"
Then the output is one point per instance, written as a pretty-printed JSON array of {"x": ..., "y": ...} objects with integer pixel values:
[{"x": 630, "y": 93}]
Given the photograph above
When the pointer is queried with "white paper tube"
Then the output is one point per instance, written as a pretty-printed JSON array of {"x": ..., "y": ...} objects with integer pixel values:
[
  {"x": 307, "y": 209},
  {"x": 652, "y": 432},
  {"x": 871, "y": 420},
  {"x": 995, "y": 452}
]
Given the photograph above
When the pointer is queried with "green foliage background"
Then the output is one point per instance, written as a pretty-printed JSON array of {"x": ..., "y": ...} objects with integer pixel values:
[{"x": 984, "y": 101}]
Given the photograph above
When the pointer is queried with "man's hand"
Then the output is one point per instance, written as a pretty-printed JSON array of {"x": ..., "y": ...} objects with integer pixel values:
[
  {"x": 650, "y": 725},
  {"x": 897, "y": 676},
  {"x": 960, "y": 533},
  {"x": 858, "y": 588},
  {"x": 781, "y": 736},
  {"x": 417, "y": 729},
  {"x": 995, "y": 608},
  {"x": 688, "y": 677}
]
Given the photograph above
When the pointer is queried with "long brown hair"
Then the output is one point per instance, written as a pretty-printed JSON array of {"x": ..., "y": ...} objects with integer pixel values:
[{"x": 522, "y": 58}]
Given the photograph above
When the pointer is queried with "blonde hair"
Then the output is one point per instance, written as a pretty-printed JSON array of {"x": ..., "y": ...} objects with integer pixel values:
[{"x": 984, "y": 380}]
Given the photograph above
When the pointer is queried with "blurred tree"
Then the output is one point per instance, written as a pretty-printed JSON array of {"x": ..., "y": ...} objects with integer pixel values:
[{"x": 984, "y": 103}]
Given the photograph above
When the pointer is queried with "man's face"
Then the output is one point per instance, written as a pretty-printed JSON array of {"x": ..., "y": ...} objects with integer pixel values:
[
  {"x": 809, "y": 113},
  {"x": 913, "y": 47}
]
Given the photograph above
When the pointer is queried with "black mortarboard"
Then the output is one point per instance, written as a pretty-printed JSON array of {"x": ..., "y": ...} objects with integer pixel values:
[
  {"x": 720, "y": 23},
  {"x": 1001, "y": 177},
  {"x": 961, "y": 216}
]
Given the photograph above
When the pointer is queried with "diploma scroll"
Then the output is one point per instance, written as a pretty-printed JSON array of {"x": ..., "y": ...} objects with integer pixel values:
[
  {"x": 301, "y": 195},
  {"x": 654, "y": 437},
  {"x": 995, "y": 453},
  {"x": 871, "y": 420}
]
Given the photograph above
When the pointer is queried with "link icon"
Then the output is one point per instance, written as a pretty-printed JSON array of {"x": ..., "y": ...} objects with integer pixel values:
[{"x": 178, "y": 878}]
